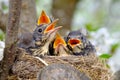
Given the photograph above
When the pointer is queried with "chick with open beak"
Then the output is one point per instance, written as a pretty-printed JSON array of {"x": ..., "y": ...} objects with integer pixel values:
[
  {"x": 43, "y": 35},
  {"x": 42, "y": 23},
  {"x": 28, "y": 39},
  {"x": 41, "y": 32},
  {"x": 79, "y": 44},
  {"x": 60, "y": 46}
]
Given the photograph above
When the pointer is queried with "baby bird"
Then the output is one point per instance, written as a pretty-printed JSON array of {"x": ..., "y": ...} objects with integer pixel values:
[
  {"x": 43, "y": 35},
  {"x": 79, "y": 44},
  {"x": 40, "y": 33},
  {"x": 60, "y": 47},
  {"x": 26, "y": 40}
]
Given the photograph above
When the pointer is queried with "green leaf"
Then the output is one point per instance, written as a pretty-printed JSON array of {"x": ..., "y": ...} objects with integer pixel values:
[
  {"x": 4, "y": 7},
  {"x": 114, "y": 47},
  {"x": 105, "y": 56},
  {"x": 2, "y": 35},
  {"x": 91, "y": 27}
]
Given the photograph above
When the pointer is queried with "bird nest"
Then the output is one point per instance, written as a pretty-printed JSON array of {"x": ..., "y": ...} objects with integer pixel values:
[
  {"x": 91, "y": 65},
  {"x": 27, "y": 66}
]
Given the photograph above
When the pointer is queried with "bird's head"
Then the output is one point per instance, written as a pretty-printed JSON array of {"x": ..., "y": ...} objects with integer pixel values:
[
  {"x": 75, "y": 38},
  {"x": 78, "y": 43},
  {"x": 45, "y": 32},
  {"x": 60, "y": 46}
]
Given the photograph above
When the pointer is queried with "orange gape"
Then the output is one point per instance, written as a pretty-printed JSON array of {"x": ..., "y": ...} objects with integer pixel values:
[
  {"x": 51, "y": 26},
  {"x": 74, "y": 42},
  {"x": 43, "y": 19},
  {"x": 58, "y": 40}
]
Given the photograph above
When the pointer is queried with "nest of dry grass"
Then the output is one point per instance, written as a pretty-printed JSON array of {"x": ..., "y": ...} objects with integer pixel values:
[
  {"x": 91, "y": 65},
  {"x": 27, "y": 66}
]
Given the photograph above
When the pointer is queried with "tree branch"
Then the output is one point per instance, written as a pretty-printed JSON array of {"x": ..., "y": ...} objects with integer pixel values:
[{"x": 11, "y": 38}]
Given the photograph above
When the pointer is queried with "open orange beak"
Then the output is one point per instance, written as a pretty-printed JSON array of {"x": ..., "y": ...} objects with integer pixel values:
[
  {"x": 51, "y": 26},
  {"x": 74, "y": 42},
  {"x": 43, "y": 19},
  {"x": 58, "y": 41}
]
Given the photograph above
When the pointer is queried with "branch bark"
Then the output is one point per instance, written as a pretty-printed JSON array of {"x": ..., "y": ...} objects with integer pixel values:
[{"x": 11, "y": 38}]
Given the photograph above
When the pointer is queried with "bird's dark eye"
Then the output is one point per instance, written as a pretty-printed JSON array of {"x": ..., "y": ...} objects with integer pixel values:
[{"x": 39, "y": 30}]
